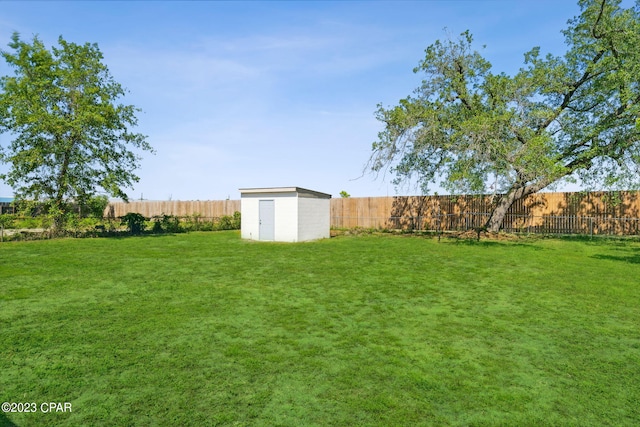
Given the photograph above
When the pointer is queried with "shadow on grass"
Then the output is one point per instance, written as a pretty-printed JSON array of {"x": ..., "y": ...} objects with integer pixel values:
[
  {"x": 468, "y": 239},
  {"x": 599, "y": 240},
  {"x": 631, "y": 256},
  {"x": 6, "y": 422},
  {"x": 126, "y": 235},
  {"x": 493, "y": 243},
  {"x": 526, "y": 240}
]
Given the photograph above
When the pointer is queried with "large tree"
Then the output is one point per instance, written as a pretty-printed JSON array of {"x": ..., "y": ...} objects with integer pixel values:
[
  {"x": 70, "y": 135},
  {"x": 570, "y": 117}
]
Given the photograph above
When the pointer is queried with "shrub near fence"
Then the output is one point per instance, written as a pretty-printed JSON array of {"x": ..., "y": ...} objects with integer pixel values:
[{"x": 13, "y": 227}]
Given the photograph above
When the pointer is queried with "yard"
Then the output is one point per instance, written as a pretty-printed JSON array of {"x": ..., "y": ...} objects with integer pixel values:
[{"x": 206, "y": 329}]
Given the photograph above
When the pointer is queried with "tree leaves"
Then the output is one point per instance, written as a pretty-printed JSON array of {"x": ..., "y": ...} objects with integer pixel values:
[
  {"x": 72, "y": 135},
  {"x": 476, "y": 131}
]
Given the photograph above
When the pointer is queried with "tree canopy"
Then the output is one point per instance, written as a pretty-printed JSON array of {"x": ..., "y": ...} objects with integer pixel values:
[
  {"x": 559, "y": 118},
  {"x": 71, "y": 137}
]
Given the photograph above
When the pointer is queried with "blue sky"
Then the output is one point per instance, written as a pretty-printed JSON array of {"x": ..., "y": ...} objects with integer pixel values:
[{"x": 262, "y": 94}]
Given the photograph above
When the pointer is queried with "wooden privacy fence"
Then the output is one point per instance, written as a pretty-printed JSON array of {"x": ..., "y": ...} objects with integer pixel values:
[
  {"x": 579, "y": 212},
  {"x": 522, "y": 223},
  {"x": 204, "y": 208}
]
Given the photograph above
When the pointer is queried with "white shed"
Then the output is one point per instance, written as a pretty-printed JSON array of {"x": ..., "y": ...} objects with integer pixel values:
[{"x": 284, "y": 214}]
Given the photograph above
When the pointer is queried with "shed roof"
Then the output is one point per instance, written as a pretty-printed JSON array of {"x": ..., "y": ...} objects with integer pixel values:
[{"x": 298, "y": 190}]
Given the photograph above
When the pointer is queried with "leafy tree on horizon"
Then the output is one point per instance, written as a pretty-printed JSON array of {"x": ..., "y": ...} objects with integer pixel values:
[
  {"x": 559, "y": 118},
  {"x": 71, "y": 137}
]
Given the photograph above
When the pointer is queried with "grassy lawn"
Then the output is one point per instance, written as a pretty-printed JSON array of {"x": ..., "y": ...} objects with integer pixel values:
[{"x": 205, "y": 329}]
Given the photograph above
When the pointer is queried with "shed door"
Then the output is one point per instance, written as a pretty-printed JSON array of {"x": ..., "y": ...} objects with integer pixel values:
[{"x": 267, "y": 219}]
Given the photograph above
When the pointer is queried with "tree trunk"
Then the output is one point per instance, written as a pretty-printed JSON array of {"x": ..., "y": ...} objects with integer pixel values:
[
  {"x": 59, "y": 215},
  {"x": 494, "y": 224}
]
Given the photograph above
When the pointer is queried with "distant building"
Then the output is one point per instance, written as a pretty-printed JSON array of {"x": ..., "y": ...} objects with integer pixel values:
[{"x": 5, "y": 205}]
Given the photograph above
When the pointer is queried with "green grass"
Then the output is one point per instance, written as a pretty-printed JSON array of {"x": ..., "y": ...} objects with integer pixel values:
[{"x": 207, "y": 329}]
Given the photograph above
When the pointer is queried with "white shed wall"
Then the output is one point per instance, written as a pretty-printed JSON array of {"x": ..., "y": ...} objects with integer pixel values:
[
  {"x": 286, "y": 216},
  {"x": 286, "y": 219},
  {"x": 313, "y": 218},
  {"x": 249, "y": 219}
]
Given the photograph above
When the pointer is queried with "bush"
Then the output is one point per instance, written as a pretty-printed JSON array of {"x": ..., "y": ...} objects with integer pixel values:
[
  {"x": 206, "y": 226},
  {"x": 228, "y": 222},
  {"x": 157, "y": 227},
  {"x": 95, "y": 206},
  {"x": 6, "y": 220},
  {"x": 135, "y": 222},
  {"x": 193, "y": 222},
  {"x": 225, "y": 223},
  {"x": 33, "y": 222},
  {"x": 166, "y": 224}
]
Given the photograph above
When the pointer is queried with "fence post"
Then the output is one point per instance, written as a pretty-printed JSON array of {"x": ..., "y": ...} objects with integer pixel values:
[
  {"x": 591, "y": 227},
  {"x": 1, "y": 233}
]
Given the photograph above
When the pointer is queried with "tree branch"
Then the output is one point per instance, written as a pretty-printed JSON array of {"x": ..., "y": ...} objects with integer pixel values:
[
  {"x": 595, "y": 25},
  {"x": 569, "y": 95}
]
